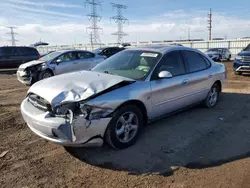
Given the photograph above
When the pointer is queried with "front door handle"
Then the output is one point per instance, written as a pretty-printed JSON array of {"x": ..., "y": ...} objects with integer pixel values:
[
  {"x": 210, "y": 75},
  {"x": 184, "y": 82}
]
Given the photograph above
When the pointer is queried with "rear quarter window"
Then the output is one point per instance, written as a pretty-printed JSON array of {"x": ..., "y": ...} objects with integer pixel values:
[{"x": 195, "y": 61}]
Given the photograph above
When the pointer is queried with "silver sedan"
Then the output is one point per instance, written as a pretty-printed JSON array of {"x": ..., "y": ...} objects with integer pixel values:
[
  {"x": 118, "y": 97},
  {"x": 56, "y": 63}
]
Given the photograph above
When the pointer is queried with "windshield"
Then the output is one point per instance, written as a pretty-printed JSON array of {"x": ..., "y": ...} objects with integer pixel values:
[
  {"x": 247, "y": 48},
  {"x": 134, "y": 64},
  {"x": 50, "y": 56},
  {"x": 215, "y": 50}
]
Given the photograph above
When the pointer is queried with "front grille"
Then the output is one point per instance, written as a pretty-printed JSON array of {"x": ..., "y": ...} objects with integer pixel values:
[
  {"x": 246, "y": 58},
  {"x": 20, "y": 69},
  {"x": 39, "y": 102}
]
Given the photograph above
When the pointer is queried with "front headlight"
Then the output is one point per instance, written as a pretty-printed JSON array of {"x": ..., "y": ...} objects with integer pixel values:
[{"x": 238, "y": 57}]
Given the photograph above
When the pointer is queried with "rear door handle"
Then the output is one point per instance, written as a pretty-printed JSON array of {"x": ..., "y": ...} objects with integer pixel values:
[
  {"x": 184, "y": 82},
  {"x": 210, "y": 75}
]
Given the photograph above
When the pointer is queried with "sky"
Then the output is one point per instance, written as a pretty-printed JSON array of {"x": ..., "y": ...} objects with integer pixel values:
[{"x": 64, "y": 21}]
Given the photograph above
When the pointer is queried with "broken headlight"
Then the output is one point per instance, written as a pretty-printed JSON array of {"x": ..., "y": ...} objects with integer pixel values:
[
  {"x": 94, "y": 112},
  {"x": 63, "y": 108}
]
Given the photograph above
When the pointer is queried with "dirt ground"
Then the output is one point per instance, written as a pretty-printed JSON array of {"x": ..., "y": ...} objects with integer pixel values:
[{"x": 196, "y": 148}]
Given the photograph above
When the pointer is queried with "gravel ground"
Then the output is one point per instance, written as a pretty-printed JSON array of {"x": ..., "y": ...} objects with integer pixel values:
[{"x": 196, "y": 148}]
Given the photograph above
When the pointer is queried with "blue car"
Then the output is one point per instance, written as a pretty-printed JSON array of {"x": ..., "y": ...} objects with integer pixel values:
[{"x": 242, "y": 61}]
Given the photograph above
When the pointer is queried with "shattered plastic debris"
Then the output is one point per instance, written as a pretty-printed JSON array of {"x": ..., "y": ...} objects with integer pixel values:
[{"x": 4, "y": 153}]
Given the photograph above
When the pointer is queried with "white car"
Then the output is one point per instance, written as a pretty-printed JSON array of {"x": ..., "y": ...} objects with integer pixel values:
[{"x": 56, "y": 63}]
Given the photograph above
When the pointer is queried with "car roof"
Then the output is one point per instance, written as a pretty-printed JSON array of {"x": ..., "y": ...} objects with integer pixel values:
[
  {"x": 71, "y": 50},
  {"x": 162, "y": 48}
]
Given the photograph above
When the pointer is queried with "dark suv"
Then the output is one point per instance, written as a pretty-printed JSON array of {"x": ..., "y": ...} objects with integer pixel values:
[
  {"x": 242, "y": 61},
  {"x": 108, "y": 51},
  {"x": 12, "y": 56}
]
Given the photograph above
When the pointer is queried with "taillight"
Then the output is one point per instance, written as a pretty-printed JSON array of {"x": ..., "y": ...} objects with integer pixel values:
[
  {"x": 39, "y": 56},
  {"x": 105, "y": 58}
]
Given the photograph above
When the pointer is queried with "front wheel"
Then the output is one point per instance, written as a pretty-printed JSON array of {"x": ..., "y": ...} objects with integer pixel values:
[
  {"x": 212, "y": 97},
  {"x": 45, "y": 74},
  {"x": 237, "y": 73},
  {"x": 125, "y": 127}
]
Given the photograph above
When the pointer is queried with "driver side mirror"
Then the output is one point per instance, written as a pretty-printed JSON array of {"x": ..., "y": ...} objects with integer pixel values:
[
  {"x": 165, "y": 74},
  {"x": 58, "y": 61}
]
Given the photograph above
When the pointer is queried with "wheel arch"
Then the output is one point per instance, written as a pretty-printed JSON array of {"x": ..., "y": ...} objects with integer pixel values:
[
  {"x": 218, "y": 82},
  {"x": 140, "y": 105}
]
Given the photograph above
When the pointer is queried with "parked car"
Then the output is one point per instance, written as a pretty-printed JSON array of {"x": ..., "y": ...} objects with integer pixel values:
[
  {"x": 116, "y": 99},
  {"x": 108, "y": 51},
  {"x": 56, "y": 63},
  {"x": 242, "y": 61},
  {"x": 13, "y": 56},
  {"x": 217, "y": 54}
]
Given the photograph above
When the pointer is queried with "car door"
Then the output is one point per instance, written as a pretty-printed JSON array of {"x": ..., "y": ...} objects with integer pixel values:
[
  {"x": 67, "y": 63},
  {"x": 200, "y": 75},
  {"x": 170, "y": 94},
  {"x": 86, "y": 60}
]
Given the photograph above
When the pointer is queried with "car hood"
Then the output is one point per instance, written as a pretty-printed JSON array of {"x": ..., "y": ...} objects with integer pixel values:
[
  {"x": 31, "y": 63},
  {"x": 75, "y": 86},
  {"x": 244, "y": 53},
  {"x": 212, "y": 53}
]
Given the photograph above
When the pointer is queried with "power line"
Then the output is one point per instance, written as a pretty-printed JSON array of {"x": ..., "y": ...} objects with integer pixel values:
[
  {"x": 12, "y": 34},
  {"x": 210, "y": 25},
  {"x": 94, "y": 18},
  {"x": 119, "y": 19}
]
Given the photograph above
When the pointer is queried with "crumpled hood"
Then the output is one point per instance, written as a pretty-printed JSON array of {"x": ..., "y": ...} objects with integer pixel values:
[
  {"x": 31, "y": 63},
  {"x": 212, "y": 53},
  {"x": 74, "y": 86},
  {"x": 244, "y": 53}
]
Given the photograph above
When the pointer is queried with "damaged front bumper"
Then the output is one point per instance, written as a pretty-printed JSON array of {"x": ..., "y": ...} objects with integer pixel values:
[
  {"x": 24, "y": 78},
  {"x": 75, "y": 132}
]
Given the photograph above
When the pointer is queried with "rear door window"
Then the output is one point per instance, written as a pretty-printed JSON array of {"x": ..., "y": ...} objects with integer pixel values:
[{"x": 195, "y": 61}]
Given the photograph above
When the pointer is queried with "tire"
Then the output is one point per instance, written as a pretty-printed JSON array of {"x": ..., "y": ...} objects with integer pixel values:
[
  {"x": 212, "y": 97},
  {"x": 237, "y": 73},
  {"x": 119, "y": 133},
  {"x": 229, "y": 58},
  {"x": 45, "y": 74},
  {"x": 219, "y": 59}
]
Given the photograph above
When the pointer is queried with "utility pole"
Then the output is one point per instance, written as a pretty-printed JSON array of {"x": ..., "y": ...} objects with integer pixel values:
[
  {"x": 91, "y": 40},
  {"x": 119, "y": 19},
  {"x": 210, "y": 24},
  {"x": 94, "y": 18},
  {"x": 12, "y": 34}
]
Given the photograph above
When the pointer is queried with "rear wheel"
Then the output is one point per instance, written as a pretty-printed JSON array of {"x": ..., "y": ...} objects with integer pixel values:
[
  {"x": 237, "y": 73},
  {"x": 229, "y": 58},
  {"x": 213, "y": 96},
  {"x": 125, "y": 127}
]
